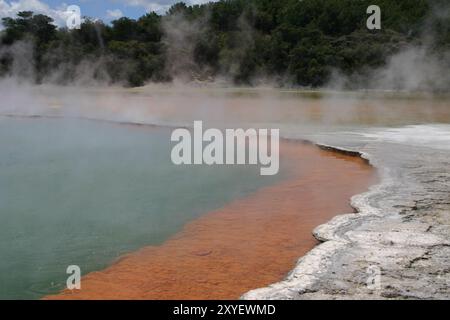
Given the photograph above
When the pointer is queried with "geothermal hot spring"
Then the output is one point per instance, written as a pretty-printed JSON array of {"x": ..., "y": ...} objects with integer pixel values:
[
  {"x": 84, "y": 193},
  {"x": 86, "y": 179}
]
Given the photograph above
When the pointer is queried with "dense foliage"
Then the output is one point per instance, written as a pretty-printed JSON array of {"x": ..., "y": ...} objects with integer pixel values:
[{"x": 288, "y": 41}]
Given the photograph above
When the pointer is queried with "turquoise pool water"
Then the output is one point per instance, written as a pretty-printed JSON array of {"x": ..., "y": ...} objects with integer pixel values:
[{"x": 78, "y": 192}]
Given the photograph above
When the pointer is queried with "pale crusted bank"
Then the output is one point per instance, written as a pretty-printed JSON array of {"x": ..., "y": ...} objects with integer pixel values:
[{"x": 402, "y": 228}]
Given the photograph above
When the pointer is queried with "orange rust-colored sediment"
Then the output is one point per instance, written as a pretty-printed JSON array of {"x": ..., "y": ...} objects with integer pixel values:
[{"x": 248, "y": 244}]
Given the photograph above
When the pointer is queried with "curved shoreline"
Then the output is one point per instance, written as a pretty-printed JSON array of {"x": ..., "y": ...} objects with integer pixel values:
[
  {"x": 148, "y": 283},
  {"x": 331, "y": 149},
  {"x": 302, "y": 278},
  {"x": 402, "y": 228}
]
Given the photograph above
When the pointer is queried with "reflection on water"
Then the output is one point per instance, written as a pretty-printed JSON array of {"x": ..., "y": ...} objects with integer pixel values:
[
  {"x": 83, "y": 193},
  {"x": 231, "y": 107}
]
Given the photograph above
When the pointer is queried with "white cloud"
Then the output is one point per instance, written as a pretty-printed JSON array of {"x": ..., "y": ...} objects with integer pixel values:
[
  {"x": 157, "y": 6},
  {"x": 160, "y": 6},
  {"x": 11, "y": 8},
  {"x": 59, "y": 14},
  {"x": 114, "y": 14}
]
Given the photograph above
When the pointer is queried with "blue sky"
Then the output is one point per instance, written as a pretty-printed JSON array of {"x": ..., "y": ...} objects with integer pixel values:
[{"x": 106, "y": 10}]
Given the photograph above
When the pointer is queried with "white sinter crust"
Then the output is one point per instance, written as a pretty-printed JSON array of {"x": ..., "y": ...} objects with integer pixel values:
[{"x": 402, "y": 228}]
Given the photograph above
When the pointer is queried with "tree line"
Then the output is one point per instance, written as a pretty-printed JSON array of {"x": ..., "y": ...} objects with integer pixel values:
[{"x": 292, "y": 42}]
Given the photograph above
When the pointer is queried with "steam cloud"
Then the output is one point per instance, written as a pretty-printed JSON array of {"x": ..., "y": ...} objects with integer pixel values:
[{"x": 417, "y": 67}]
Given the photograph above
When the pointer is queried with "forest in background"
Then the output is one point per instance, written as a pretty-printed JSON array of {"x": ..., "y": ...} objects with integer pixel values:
[{"x": 292, "y": 43}]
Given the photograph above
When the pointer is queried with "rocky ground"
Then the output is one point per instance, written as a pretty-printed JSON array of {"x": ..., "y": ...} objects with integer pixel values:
[{"x": 396, "y": 247}]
